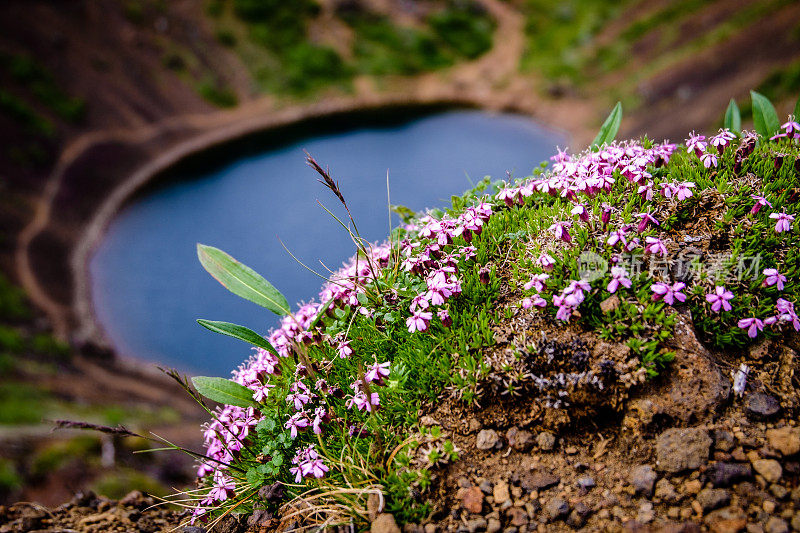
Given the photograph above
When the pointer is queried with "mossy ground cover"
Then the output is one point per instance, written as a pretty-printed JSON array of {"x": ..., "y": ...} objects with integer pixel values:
[{"x": 614, "y": 242}]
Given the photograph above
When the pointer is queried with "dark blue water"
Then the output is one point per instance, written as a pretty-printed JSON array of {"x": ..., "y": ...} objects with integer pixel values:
[{"x": 148, "y": 287}]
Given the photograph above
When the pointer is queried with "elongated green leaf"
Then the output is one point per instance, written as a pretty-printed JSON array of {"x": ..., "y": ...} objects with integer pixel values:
[
  {"x": 224, "y": 391},
  {"x": 320, "y": 314},
  {"x": 733, "y": 118},
  {"x": 238, "y": 332},
  {"x": 765, "y": 119},
  {"x": 609, "y": 129},
  {"x": 241, "y": 280},
  {"x": 797, "y": 110}
]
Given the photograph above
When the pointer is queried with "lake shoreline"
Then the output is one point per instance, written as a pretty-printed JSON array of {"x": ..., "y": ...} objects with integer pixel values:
[
  {"x": 100, "y": 170},
  {"x": 160, "y": 170}
]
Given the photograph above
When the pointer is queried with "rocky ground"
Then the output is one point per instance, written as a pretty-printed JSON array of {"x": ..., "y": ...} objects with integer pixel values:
[
  {"x": 90, "y": 513},
  {"x": 684, "y": 454}
]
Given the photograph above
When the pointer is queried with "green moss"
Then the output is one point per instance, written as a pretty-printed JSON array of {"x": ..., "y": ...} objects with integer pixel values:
[
  {"x": 219, "y": 96},
  {"x": 24, "y": 115},
  {"x": 21, "y": 403},
  {"x": 11, "y": 339},
  {"x": 226, "y": 38},
  {"x": 560, "y": 34},
  {"x": 41, "y": 83},
  {"x": 465, "y": 28},
  {"x": 382, "y": 48},
  {"x": 10, "y": 480}
]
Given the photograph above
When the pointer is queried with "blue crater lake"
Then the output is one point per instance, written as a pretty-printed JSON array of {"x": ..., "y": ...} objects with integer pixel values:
[{"x": 148, "y": 287}]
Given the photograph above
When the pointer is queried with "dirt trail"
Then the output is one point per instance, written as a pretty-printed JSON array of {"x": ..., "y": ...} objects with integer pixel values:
[{"x": 489, "y": 82}]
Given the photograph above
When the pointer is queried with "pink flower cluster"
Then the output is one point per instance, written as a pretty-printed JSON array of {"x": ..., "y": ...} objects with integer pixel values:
[
  {"x": 307, "y": 463},
  {"x": 697, "y": 144},
  {"x": 586, "y": 175},
  {"x": 224, "y": 436},
  {"x": 784, "y": 309},
  {"x": 791, "y": 130},
  {"x": 433, "y": 256}
]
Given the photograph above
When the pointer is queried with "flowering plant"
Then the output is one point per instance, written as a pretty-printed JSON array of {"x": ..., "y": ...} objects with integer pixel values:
[{"x": 325, "y": 411}]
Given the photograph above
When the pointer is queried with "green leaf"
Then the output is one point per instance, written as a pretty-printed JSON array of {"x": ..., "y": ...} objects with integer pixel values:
[
  {"x": 797, "y": 110},
  {"x": 609, "y": 129},
  {"x": 733, "y": 118},
  {"x": 765, "y": 119},
  {"x": 254, "y": 477},
  {"x": 224, "y": 391},
  {"x": 241, "y": 280},
  {"x": 238, "y": 332},
  {"x": 322, "y": 311}
]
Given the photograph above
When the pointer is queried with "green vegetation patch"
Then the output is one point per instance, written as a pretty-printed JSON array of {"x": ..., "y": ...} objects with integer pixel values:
[{"x": 42, "y": 85}]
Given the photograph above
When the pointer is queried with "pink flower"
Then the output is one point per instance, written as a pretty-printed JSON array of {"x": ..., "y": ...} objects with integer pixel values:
[
  {"x": 299, "y": 395},
  {"x": 538, "y": 301},
  {"x": 791, "y": 128},
  {"x": 362, "y": 403},
  {"x": 508, "y": 195},
  {"x": 344, "y": 349},
  {"x": 752, "y": 325},
  {"x": 261, "y": 391},
  {"x": 760, "y": 202},
  {"x": 296, "y": 423},
  {"x": 444, "y": 316},
  {"x": 654, "y": 246},
  {"x": 696, "y": 143},
  {"x": 618, "y": 277},
  {"x": 536, "y": 282},
  {"x": 377, "y": 372},
  {"x": 647, "y": 219},
  {"x": 307, "y": 464},
  {"x": 719, "y": 299},
  {"x": 787, "y": 313},
  {"x": 646, "y": 191},
  {"x": 722, "y": 139},
  {"x": 222, "y": 488},
  {"x": 560, "y": 230},
  {"x": 320, "y": 416},
  {"x": 546, "y": 262},
  {"x": 669, "y": 293},
  {"x": 684, "y": 190},
  {"x": 527, "y": 303},
  {"x": 581, "y": 211},
  {"x": 418, "y": 321},
  {"x": 617, "y": 236},
  {"x": 709, "y": 159},
  {"x": 314, "y": 468},
  {"x": 784, "y": 221},
  {"x": 605, "y": 217},
  {"x": 773, "y": 277}
]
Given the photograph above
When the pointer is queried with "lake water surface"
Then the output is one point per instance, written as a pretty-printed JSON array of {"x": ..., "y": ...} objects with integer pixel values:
[{"x": 148, "y": 287}]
